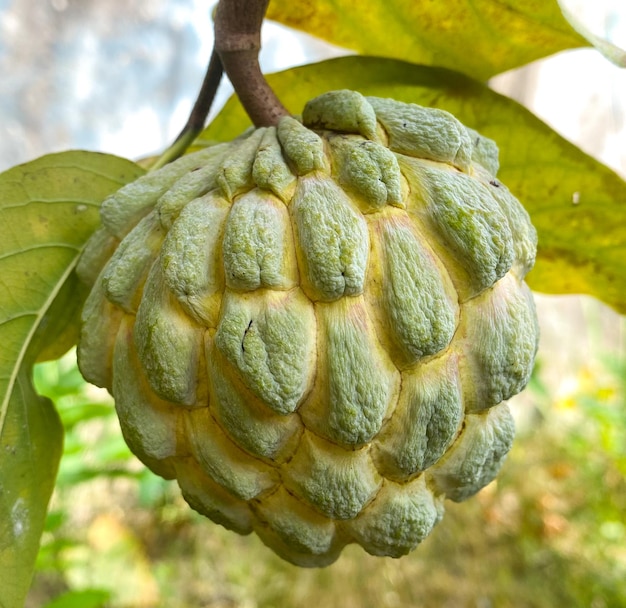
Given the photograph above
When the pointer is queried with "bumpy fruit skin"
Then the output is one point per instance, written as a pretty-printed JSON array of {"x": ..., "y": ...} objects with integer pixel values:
[{"x": 314, "y": 328}]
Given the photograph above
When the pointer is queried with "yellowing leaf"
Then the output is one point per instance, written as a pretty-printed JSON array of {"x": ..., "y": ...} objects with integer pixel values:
[
  {"x": 477, "y": 37},
  {"x": 48, "y": 209},
  {"x": 611, "y": 51},
  {"x": 576, "y": 203}
]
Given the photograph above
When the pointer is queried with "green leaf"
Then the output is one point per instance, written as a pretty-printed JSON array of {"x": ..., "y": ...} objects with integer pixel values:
[
  {"x": 480, "y": 38},
  {"x": 576, "y": 203},
  {"x": 609, "y": 50},
  {"x": 85, "y": 598},
  {"x": 48, "y": 209},
  {"x": 31, "y": 447}
]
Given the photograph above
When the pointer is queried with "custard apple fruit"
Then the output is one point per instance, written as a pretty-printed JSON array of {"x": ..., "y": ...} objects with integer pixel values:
[{"x": 315, "y": 327}]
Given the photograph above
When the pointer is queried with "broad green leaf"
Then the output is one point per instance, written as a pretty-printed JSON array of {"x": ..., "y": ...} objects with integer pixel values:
[
  {"x": 576, "y": 203},
  {"x": 48, "y": 209},
  {"x": 480, "y": 38},
  {"x": 612, "y": 52}
]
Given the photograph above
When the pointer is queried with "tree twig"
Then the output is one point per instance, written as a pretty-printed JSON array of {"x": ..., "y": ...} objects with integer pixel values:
[
  {"x": 238, "y": 41},
  {"x": 197, "y": 117}
]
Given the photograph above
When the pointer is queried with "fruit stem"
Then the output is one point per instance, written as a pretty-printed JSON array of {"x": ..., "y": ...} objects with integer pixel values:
[
  {"x": 238, "y": 41},
  {"x": 199, "y": 112}
]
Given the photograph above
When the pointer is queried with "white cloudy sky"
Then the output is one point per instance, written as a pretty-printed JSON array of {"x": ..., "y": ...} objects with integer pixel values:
[{"x": 77, "y": 75}]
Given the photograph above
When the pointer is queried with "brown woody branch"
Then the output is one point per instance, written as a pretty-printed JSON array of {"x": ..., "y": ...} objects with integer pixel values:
[
  {"x": 238, "y": 42},
  {"x": 204, "y": 101},
  {"x": 197, "y": 117}
]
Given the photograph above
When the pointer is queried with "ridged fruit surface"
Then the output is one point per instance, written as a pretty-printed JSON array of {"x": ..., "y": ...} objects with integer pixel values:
[{"x": 315, "y": 327}]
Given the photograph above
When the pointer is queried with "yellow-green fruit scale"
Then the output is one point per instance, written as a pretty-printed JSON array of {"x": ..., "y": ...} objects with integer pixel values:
[{"x": 315, "y": 328}]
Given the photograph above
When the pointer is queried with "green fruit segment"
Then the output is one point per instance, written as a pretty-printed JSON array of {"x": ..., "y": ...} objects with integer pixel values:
[
  {"x": 336, "y": 482},
  {"x": 270, "y": 170},
  {"x": 399, "y": 518},
  {"x": 149, "y": 424},
  {"x": 303, "y": 148},
  {"x": 122, "y": 211},
  {"x": 167, "y": 343},
  {"x": 187, "y": 256},
  {"x": 343, "y": 111},
  {"x": 502, "y": 329},
  {"x": 124, "y": 276},
  {"x": 333, "y": 240},
  {"x": 254, "y": 427},
  {"x": 100, "y": 321},
  {"x": 270, "y": 342},
  {"x": 369, "y": 171},
  {"x": 223, "y": 461},
  {"x": 418, "y": 305},
  {"x": 525, "y": 241},
  {"x": 475, "y": 458},
  {"x": 362, "y": 382},
  {"x": 484, "y": 152},
  {"x": 296, "y": 530},
  {"x": 424, "y": 132},
  {"x": 234, "y": 173},
  {"x": 197, "y": 183},
  {"x": 97, "y": 252},
  {"x": 257, "y": 247},
  {"x": 211, "y": 499},
  {"x": 427, "y": 420}
]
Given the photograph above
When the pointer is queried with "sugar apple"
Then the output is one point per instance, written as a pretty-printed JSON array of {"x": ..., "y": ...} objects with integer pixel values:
[{"x": 314, "y": 327}]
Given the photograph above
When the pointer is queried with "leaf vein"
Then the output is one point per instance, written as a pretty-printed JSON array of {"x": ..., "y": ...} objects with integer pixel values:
[{"x": 11, "y": 254}]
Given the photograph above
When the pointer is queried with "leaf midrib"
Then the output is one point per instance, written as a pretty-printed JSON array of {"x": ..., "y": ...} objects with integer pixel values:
[{"x": 4, "y": 408}]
